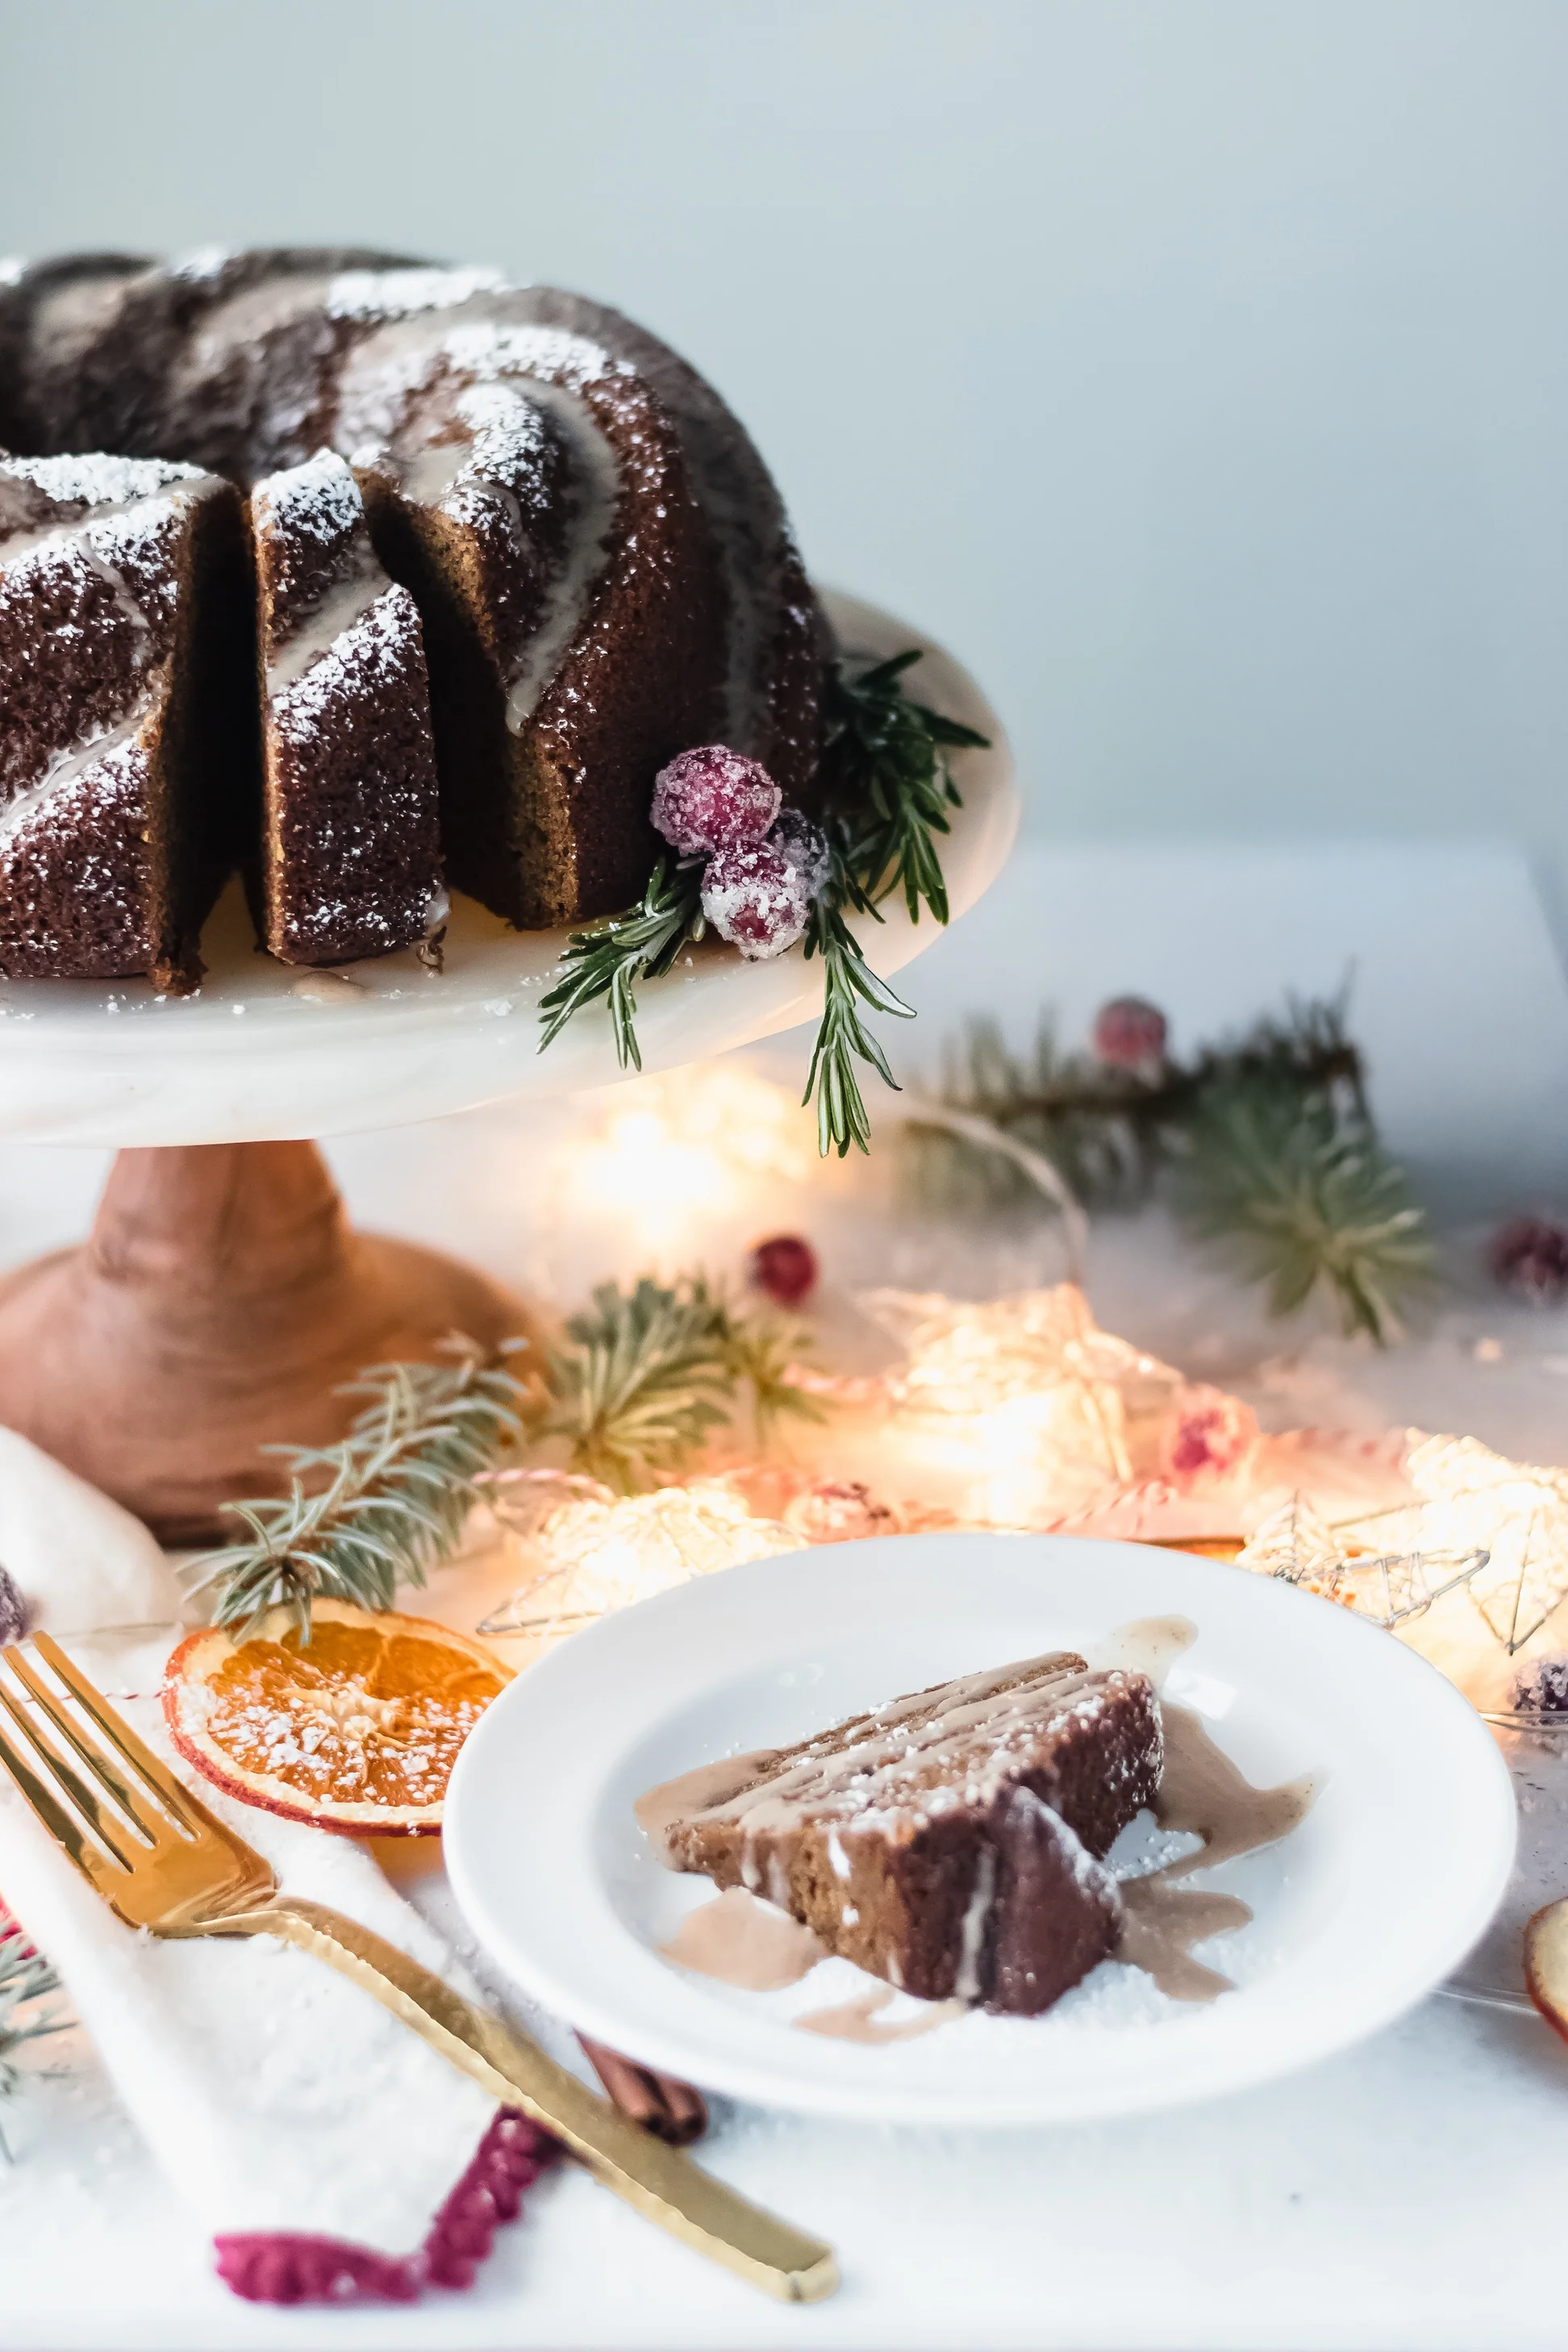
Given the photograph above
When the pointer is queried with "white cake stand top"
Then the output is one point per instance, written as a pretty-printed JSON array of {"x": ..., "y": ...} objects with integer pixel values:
[{"x": 264, "y": 1052}]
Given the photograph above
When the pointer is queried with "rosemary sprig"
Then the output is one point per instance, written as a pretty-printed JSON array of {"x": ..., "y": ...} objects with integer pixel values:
[
  {"x": 379, "y": 1509},
  {"x": 646, "y": 1375},
  {"x": 610, "y": 959},
  {"x": 886, "y": 775},
  {"x": 842, "y": 1037},
  {"x": 887, "y": 790},
  {"x": 26, "y": 1979}
]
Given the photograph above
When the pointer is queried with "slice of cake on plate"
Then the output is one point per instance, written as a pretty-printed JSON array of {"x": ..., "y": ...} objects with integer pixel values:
[{"x": 949, "y": 1841}]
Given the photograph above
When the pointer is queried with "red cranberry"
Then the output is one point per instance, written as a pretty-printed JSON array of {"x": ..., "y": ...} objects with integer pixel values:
[
  {"x": 805, "y": 845},
  {"x": 755, "y": 898},
  {"x": 783, "y": 1267},
  {"x": 1130, "y": 1035},
  {"x": 1542, "y": 1688},
  {"x": 713, "y": 798},
  {"x": 1530, "y": 1255},
  {"x": 1210, "y": 1434}
]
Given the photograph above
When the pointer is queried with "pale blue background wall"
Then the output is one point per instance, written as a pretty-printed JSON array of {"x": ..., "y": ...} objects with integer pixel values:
[{"x": 1200, "y": 372}]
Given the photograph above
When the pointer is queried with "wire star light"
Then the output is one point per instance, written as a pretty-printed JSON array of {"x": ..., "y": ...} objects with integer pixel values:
[
  {"x": 1390, "y": 1588},
  {"x": 588, "y": 1551},
  {"x": 1516, "y": 1512}
]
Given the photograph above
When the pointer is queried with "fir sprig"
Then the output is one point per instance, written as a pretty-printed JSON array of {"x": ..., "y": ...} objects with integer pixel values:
[
  {"x": 646, "y": 1375},
  {"x": 887, "y": 789},
  {"x": 377, "y": 1510},
  {"x": 1308, "y": 1203},
  {"x": 610, "y": 959},
  {"x": 1266, "y": 1142},
  {"x": 25, "y": 1979}
]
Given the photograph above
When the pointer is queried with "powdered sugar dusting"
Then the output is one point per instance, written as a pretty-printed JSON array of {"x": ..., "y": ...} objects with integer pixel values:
[
  {"x": 98, "y": 480},
  {"x": 318, "y": 502},
  {"x": 370, "y": 295}
]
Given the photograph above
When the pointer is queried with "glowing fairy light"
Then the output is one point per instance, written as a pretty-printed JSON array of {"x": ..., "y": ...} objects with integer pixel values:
[{"x": 586, "y": 1551}]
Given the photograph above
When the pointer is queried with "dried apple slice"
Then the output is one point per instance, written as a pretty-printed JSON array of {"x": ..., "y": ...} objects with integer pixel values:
[{"x": 1546, "y": 1964}]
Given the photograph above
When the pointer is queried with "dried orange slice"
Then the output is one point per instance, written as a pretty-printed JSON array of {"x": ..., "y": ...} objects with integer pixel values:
[{"x": 356, "y": 1731}]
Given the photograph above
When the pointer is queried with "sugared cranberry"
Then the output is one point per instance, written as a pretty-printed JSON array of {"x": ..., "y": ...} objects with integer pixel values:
[
  {"x": 785, "y": 1268},
  {"x": 1529, "y": 1256},
  {"x": 713, "y": 798},
  {"x": 755, "y": 898},
  {"x": 1210, "y": 1434},
  {"x": 1130, "y": 1035},
  {"x": 1542, "y": 1688},
  {"x": 804, "y": 844},
  {"x": 839, "y": 1511},
  {"x": 13, "y": 1610}
]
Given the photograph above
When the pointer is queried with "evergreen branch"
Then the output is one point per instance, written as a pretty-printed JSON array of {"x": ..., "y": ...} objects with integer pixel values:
[
  {"x": 382, "y": 1509},
  {"x": 886, "y": 771},
  {"x": 612, "y": 957},
  {"x": 1269, "y": 1138},
  {"x": 1309, "y": 1205},
  {"x": 646, "y": 1375},
  {"x": 643, "y": 1383},
  {"x": 761, "y": 1349},
  {"x": 887, "y": 788},
  {"x": 842, "y": 1037},
  {"x": 26, "y": 1979}
]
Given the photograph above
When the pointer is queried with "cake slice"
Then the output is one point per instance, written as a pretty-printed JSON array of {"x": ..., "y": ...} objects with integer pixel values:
[
  {"x": 350, "y": 855},
  {"x": 124, "y": 713},
  {"x": 948, "y": 1841}
]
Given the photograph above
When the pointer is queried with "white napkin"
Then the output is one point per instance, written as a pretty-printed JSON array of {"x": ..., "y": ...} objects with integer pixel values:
[{"x": 276, "y": 2095}]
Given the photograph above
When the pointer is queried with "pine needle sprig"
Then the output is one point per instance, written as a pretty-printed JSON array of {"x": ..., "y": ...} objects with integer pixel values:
[
  {"x": 642, "y": 1383},
  {"x": 25, "y": 1979},
  {"x": 760, "y": 1348},
  {"x": 646, "y": 1375},
  {"x": 609, "y": 959},
  {"x": 1307, "y": 1204},
  {"x": 1265, "y": 1140},
  {"x": 381, "y": 1508}
]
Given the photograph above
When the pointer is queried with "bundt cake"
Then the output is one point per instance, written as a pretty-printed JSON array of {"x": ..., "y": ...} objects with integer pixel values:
[{"x": 498, "y": 537}]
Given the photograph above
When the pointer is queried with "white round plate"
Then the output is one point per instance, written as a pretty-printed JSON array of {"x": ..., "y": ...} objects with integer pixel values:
[
  {"x": 264, "y": 1052},
  {"x": 1358, "y": 1914}
]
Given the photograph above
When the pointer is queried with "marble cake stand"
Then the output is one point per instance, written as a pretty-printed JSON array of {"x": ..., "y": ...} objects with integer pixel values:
[{"x": 222, "y": 1298}]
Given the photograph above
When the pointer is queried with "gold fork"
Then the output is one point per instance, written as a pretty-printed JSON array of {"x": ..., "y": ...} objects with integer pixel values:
[{"x": 162, "y": 1861}]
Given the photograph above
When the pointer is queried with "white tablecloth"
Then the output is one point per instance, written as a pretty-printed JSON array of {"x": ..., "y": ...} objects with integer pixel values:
[{"x": 1409, "y": 2193}]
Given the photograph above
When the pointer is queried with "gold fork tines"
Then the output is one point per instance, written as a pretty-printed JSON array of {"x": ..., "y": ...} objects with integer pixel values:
[
  {"x": 156, "y": 1854},
  {"x": 163, "y": 1861}
]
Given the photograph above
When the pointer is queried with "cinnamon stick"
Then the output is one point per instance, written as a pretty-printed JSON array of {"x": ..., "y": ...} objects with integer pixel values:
[{"x": 672, "y": 2110}]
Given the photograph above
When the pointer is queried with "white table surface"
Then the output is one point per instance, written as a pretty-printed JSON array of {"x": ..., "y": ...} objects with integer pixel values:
[{"x": 1410, "y": 2193}]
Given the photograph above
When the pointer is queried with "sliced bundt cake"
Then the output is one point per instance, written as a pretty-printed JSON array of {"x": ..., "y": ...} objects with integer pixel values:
[
  {"x": 350, "y": 855},
  {"x": 601, "y": 565},
  {"x": 123, "y": 713}
]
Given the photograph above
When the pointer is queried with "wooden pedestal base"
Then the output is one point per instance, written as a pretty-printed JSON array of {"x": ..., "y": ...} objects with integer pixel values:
[{"x": 219, "y": 1302}]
